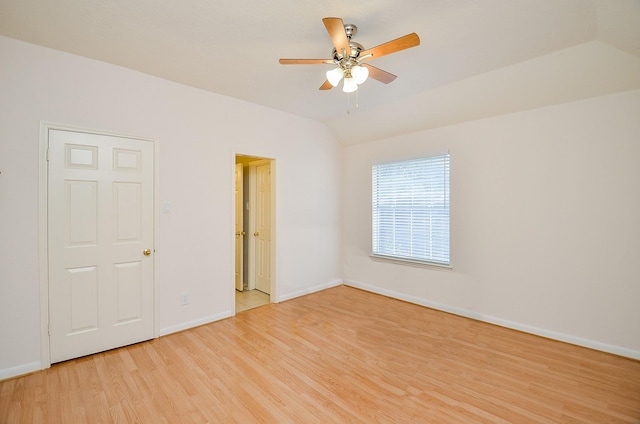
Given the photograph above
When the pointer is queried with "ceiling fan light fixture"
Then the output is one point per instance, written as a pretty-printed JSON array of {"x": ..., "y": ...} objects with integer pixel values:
[
  {"x": 347, "y": 55},
  {"x": 360, "y": 74},
  {"x": 334, "y": 76},
  {"x": 349, "y": 85}
]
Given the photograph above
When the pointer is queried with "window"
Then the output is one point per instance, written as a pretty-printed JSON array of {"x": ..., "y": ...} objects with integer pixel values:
[{"x": 411, "y": 210}]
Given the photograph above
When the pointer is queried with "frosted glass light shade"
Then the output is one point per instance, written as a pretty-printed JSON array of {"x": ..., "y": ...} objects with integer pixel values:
[
  {"x": 334, "y": 76},
  {"x": 359, "y": 74},
  {"x": 349, "y": 85}
]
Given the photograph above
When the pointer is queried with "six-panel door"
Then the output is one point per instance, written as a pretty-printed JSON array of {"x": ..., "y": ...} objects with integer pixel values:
[{"x": 100, "y": 221}]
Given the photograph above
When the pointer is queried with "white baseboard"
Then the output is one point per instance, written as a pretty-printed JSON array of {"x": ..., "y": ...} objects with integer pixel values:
[
  {"x": 309, "y": 290},
  {"x": 37, "y": 366},
  {"x": 206, "y": 320},
  {"x": 195, "y": 323},
  {"x": 603, "y": 347},
  {"x": 20, "y": 370}
]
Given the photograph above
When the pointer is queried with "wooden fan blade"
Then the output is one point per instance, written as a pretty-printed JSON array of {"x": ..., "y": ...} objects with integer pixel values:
[
  {"x": 379, "y": 74},
  {"x": 335, "y": 28},
  {"x": 326, "y": 86},
  {"x": 305, "y": 61},
  {"x": 408, "y": 41}
]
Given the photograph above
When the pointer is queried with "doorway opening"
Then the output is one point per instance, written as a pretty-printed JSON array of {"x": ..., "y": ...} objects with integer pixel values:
[{"x": 254, "y": 232}]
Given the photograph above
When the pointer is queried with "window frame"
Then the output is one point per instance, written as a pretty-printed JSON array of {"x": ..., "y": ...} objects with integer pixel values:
[{"x": 444, "y": 192}]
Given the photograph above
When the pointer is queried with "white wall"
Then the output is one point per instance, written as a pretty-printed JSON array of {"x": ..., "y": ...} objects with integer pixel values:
[
  {"x": 545, "y": 232},
  {"x": 545, "y": 221},
  {"x": 199, "y": 134}
]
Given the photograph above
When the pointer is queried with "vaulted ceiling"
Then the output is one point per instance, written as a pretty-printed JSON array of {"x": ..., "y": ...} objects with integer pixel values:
[{"x": 476, "y": 58}]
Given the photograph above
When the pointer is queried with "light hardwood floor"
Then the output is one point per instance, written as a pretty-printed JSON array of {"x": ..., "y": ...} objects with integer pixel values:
[{"x": 338, "y": 356}]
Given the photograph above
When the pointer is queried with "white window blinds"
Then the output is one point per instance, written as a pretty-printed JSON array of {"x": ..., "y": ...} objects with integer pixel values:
[{"x": 411, "y": 210}]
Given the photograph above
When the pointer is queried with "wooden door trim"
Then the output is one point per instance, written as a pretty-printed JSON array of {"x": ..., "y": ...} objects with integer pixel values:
[{"x": 43, "y": 228}]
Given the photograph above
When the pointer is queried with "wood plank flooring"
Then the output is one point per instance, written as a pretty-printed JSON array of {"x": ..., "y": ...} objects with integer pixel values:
[{"x": 338, "y": 356}]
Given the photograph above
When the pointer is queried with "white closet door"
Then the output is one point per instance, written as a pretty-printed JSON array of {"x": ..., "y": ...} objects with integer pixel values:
[{"x": 100, "y": 223}]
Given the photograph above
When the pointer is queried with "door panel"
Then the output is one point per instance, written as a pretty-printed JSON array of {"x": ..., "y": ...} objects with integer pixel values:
[
  {"x": 100, "y": 220},
  {"x": 82, "y": 287},
  {"x": 82, "y": 218},
  {"x": 127, "y": 206},
  {"x": 129, "y": 291}
]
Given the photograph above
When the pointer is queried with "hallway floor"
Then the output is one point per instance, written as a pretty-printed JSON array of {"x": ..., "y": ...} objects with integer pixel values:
[{"x": 249, "y": 299}]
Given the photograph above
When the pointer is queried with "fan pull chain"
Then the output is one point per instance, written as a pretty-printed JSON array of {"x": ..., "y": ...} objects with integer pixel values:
[{"x": 357, "y": 104}]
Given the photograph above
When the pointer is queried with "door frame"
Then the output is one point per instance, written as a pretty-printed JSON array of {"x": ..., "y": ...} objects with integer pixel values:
[
  {"x": 43, "y": 226},
  {"x": 273, "y": 296}
]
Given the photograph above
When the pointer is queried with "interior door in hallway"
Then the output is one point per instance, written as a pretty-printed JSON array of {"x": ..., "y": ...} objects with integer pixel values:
[
  {"x": 239, "y": 227},
  {"x": 263, "y": 228},
  {"x": 100, "y": 242}
]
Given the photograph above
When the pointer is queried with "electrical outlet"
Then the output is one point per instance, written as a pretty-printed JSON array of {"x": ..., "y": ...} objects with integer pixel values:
[{"x": 184, "y": 298}]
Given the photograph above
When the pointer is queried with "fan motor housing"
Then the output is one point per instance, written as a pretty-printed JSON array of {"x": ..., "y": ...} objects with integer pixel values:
[{"x": 356, "y": 49}]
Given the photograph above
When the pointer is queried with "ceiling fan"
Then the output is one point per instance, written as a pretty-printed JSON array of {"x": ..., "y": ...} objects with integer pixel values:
[{"x": 349, "y": 57}]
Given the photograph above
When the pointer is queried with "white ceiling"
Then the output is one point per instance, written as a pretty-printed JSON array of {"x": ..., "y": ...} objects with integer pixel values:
[{"x": 232, "y": 47}]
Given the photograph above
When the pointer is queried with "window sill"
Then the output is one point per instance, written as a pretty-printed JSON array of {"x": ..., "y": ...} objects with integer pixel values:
[{"x": 409, "y": 262}]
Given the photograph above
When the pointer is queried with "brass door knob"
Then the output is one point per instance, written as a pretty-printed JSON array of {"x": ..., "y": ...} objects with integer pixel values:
[
  {"x": 256, "y": 234},
  {"x": 146, "y": 252}
]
